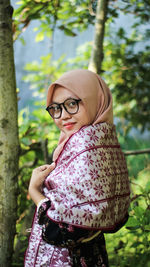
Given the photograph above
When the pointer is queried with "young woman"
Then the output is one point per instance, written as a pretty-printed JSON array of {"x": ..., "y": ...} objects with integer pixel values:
[{"x": 85, "y": 192}]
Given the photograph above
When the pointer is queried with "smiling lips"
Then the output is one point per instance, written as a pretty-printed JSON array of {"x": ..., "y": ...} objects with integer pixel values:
[{"x": 69, "y": 125}]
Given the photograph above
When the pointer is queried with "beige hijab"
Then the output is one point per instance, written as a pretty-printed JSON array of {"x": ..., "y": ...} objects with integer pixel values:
[{"x": 93, "y": 92}]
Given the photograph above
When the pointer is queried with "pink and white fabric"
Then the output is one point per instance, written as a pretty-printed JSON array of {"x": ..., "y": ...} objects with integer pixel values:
[
  {"x": 89, "y": 188},
  {"x": 41, "y": 254}
]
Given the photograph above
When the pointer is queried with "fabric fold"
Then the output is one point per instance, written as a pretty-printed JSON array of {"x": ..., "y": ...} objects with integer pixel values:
[{"x": 89, "y": 187}]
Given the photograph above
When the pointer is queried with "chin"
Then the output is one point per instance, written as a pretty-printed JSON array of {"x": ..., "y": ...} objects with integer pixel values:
[{"x": 69, "y": 133}]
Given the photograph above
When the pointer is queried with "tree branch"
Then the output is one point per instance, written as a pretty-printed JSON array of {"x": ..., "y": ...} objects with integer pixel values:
[
  {"x": 32, "y": 147},
  {"x": 136, "y": 152},
  {"x": 137, "y": 196},
  {"x": 29, "y": 164}
]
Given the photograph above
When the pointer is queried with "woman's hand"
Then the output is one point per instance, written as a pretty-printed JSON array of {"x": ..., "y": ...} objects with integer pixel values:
[{"x": 38, "y": 176}]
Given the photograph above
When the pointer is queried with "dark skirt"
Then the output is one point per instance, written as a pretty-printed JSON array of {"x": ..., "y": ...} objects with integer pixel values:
[
  {"x": 83, "y": 251},
  {"x": 90, "y": 254}
]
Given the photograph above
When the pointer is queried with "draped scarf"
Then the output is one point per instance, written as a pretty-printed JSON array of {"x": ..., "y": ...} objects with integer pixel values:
[{"x": 89, "y": 188}]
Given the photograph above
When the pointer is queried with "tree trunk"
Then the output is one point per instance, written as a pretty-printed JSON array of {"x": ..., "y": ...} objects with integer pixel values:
[
  {"x": 9, "y": 144},
  {"x": 97, "y": 51}
]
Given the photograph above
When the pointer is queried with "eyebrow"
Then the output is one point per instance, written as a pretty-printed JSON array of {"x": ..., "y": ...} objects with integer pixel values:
[{"x": 58, "y": 103}]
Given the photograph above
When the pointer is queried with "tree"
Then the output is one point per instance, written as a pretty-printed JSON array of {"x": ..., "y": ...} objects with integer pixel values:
[
  {"x": 97, "y": 51},
  {"x": 9, "y": 144}
]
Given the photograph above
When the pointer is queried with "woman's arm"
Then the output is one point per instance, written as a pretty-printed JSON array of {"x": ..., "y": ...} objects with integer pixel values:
[
  {"x": 51, "y": 232},
  {"x": 38, "y": 176}
]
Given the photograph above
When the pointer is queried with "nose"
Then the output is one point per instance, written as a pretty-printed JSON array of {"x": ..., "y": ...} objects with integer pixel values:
[{"x": 65, "y": 114}]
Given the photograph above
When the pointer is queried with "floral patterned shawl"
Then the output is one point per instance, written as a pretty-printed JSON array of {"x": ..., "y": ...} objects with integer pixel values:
[{"x": 89, "y": 188}]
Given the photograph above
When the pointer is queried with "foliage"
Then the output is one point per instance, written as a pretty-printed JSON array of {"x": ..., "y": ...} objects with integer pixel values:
[
  {"x": 126, "y": 63},
  {"x": 126, "y": 70},
  {"x": 131, "y": 244},
  {"x": 126, "y": 56},
  {"x": 71, "y": 15},
  {"x": 33, "y": 132},
  {"x": 138, "y": 8},
  {"x": 67, "y": 16},
  {"x": 41, "y": 74}
]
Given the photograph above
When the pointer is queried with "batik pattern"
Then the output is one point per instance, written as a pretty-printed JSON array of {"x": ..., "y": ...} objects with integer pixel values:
[{"x": 89, "y": 188}]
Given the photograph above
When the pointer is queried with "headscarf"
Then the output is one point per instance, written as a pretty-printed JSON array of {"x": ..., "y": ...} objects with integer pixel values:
[{"x": 93, "y": 92}]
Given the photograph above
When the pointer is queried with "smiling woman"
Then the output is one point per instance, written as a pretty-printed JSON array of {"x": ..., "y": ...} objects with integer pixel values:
[
  {"x": 73, "y": 116},
  {"x": 86, "y": 189}
]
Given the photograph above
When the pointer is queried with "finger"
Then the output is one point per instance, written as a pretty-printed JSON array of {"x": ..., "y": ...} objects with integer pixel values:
[
  {"x": 52, "y": 166},
  {"x": 48, "y": 168},
  {"x": 47, "y": 171},
  {"x": 43, "y": 167}
]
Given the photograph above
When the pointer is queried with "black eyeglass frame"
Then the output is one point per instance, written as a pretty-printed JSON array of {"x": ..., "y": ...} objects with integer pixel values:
[{"x": 63, "y": 104}]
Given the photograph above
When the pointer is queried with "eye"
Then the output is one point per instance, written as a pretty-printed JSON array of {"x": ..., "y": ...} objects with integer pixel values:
[
  {"x": 54, "y": 110},
  {"x": 71, "y": 103}
]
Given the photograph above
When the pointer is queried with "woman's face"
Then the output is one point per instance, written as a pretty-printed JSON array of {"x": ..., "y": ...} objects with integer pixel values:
[{"x": 69, "y": 123}]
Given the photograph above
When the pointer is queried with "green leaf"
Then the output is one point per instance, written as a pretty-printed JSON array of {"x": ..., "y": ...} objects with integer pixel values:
[
  {"x": 39, "y": 37},
  {"x": 147, "y": 227},
  {"x": 67, "y": 31},
  {"x": 139, "y": 211},
  {"x": 147, "y": 187},
  {"x": 22, "y": 40},
  {"x": 132, "y": 222},
  {"x": 26, "y": 141}
]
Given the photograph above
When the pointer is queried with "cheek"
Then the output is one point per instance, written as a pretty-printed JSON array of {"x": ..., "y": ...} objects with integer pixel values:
[
  {"x": 84, "y": 116},
  {"x": 57, "y": 122},
  {"x": 84, "y": 119}
]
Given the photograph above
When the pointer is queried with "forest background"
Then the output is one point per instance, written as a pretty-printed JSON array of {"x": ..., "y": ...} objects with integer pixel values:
[{"x": 122, "y": 57}]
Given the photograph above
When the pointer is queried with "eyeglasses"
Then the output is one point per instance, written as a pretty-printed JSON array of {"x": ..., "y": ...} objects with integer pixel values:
[{"x": 71, "y": 105}]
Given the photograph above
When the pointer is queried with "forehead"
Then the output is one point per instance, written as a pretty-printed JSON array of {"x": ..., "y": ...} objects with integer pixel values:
[{"x": 60, "y": 94}]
